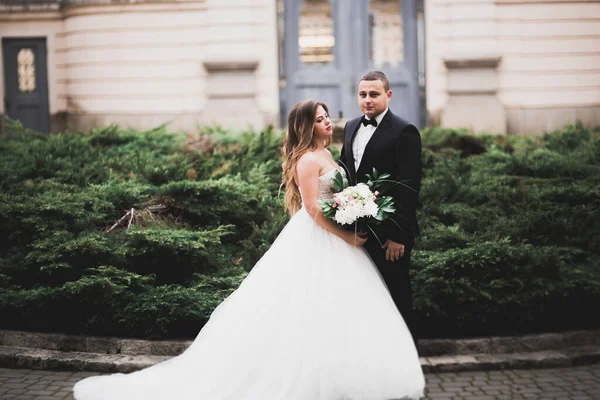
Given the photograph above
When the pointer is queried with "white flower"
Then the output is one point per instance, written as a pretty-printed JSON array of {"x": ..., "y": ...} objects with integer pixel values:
[
  {"x": 348, "y": 214},
  {"x": 364, "y": 191},
  {"x": 371, "y": 209},
  {"x": 342, "y": 217},
  {"x": 353, "y": 203}
]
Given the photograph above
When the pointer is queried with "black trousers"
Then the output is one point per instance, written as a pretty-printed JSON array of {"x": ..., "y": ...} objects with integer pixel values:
[{"x": 396, "y": 276}]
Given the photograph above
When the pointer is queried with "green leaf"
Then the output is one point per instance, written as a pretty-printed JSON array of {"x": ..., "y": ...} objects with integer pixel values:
[{"x": 338, "y": 182}]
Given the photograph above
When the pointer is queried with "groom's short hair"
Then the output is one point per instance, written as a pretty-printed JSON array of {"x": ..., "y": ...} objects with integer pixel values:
[{"x": 377, "y": 76}]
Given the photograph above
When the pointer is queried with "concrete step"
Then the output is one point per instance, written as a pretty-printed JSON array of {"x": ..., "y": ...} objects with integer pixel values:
[
  {"x": 55, "y": 360},
  {"x": 427, "y": 347},
  {"x": 23, "y": 357}
]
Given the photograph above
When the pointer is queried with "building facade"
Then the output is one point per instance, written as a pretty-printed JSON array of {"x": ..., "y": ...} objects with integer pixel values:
[
  {"x": 513, "y": 65},
  {"x": 145, "y": 63},
  {"x": 502, "y": 66}
]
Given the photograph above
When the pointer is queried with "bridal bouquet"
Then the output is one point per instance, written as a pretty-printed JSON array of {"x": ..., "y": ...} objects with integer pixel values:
[{"x": 362, "y": 205}]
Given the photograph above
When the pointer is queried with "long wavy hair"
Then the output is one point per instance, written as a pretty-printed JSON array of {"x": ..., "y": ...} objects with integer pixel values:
[{"x": 299, "y": 139}]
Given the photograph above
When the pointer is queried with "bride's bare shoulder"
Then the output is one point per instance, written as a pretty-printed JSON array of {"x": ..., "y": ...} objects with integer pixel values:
[
  {"x": 310, "y": 163},
  {"x": 310, "y": 157}
]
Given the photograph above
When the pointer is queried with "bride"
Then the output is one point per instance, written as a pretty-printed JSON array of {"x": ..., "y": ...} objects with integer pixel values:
[{"x": 312, "y": 321}]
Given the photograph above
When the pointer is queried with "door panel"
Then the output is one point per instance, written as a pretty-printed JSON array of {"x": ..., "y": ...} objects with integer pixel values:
[
  {"x": 330, "y": 44},
  {"x": 26, "y": 82}
]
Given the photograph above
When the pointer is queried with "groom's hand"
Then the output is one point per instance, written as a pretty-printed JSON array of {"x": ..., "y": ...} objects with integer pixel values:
[{"x": 393, "y": 251}]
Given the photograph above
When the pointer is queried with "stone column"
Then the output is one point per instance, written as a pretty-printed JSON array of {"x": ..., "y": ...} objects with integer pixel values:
[{"x": 472, "y": 85}]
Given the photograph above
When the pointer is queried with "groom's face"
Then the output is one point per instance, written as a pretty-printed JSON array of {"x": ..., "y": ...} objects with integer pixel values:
[{"x": 373, "y": 98}]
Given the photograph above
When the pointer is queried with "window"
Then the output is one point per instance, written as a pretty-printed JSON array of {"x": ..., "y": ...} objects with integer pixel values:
[
  {"x": 387, "y": 39},
  {"x": 316, "y": 37},
  {"x": 26, "y": 70}
]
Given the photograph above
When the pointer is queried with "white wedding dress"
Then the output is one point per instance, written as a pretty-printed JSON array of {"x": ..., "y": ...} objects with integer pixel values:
[{"x": 312, "y": 321}]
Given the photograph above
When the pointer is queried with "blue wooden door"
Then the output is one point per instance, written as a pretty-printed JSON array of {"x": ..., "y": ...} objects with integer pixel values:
[
  {"x": 26, "y": 86},
  {"x": 330, "y": 44}
]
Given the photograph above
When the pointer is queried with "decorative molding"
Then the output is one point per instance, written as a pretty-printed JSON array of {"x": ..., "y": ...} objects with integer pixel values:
[
  {"x": 472, "y": 88},
  {"x": 28, "y": 2},
  {"x": 80, "y": 3},
  {"x": 230, "y": 65},
  {"x": 12, "y": 6},
  {"x": 472, "y": 92},
  {"x": 501, "y": 2},
  {"x": 30, "y": 15},
  {"x": 458, "y": 62}
]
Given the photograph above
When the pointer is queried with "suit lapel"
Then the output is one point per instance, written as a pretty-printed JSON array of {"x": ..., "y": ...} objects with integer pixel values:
[{"x": 349, "y": 138}]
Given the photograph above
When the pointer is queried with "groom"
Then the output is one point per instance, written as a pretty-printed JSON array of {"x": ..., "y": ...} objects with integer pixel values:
[{"x": 386, "y": 142}]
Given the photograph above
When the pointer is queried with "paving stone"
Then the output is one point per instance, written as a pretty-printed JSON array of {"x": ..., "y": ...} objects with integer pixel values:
[
  {"x": 51, "y": 378},
  {"x": 15, "y": 385},
  {"x": 545, "y": 384},
  {"x": 40, "y": 392},
  {"x": 16, "y": 391},
  {"x": 39, "y": 386}
]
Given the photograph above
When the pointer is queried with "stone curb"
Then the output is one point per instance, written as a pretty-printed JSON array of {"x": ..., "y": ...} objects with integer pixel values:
[
  {"x": 509, "y": 344},
  {"x": 92, "y": 344},
  {"x": 54, "y": 360},
  {"x": 566, "y": 357},
  {"x": 427, "y": 347}
]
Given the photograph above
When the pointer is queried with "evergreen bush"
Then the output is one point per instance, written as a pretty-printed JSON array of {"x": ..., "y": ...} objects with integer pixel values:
[{"x": 119, "y": 232}]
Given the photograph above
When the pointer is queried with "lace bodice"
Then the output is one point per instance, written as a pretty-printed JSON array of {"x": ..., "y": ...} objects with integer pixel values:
[{"x": 325, "y": 184}]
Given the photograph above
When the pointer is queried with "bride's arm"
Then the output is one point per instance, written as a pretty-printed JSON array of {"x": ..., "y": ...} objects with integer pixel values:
[{"x": 307, "y": 172}]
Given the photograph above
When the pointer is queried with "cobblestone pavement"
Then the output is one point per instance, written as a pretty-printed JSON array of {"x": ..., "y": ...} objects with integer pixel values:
[{"x": 580, "y": 383}]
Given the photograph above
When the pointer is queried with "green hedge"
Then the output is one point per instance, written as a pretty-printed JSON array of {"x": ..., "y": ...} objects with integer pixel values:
[{"x": 510, "y": 240}]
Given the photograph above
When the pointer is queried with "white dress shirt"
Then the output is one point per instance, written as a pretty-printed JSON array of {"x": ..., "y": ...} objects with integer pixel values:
[{"x": 362, "y": 137}]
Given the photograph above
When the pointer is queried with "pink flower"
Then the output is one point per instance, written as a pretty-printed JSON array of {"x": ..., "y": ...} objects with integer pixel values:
[
  {"x": 334, "y": 205},
  {"x": 376, "y": 193}
]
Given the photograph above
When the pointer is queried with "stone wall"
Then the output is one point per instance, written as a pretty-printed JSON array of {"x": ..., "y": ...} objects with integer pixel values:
[
  {"x": 146, "y": 63},
  {"x": 548, "y": 72},
  {"x": 23, "y": 19}
]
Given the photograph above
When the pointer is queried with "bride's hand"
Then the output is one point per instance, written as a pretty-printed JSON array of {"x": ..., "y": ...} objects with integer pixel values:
[{"x": 353, "y": 238}]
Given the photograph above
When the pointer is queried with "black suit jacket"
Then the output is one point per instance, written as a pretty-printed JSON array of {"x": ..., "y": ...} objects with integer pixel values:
[{"x": 394, "y": 148}]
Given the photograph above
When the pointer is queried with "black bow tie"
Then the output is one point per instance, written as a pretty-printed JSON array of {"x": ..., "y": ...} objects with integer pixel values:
[{"x": 366, "y": 122}]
